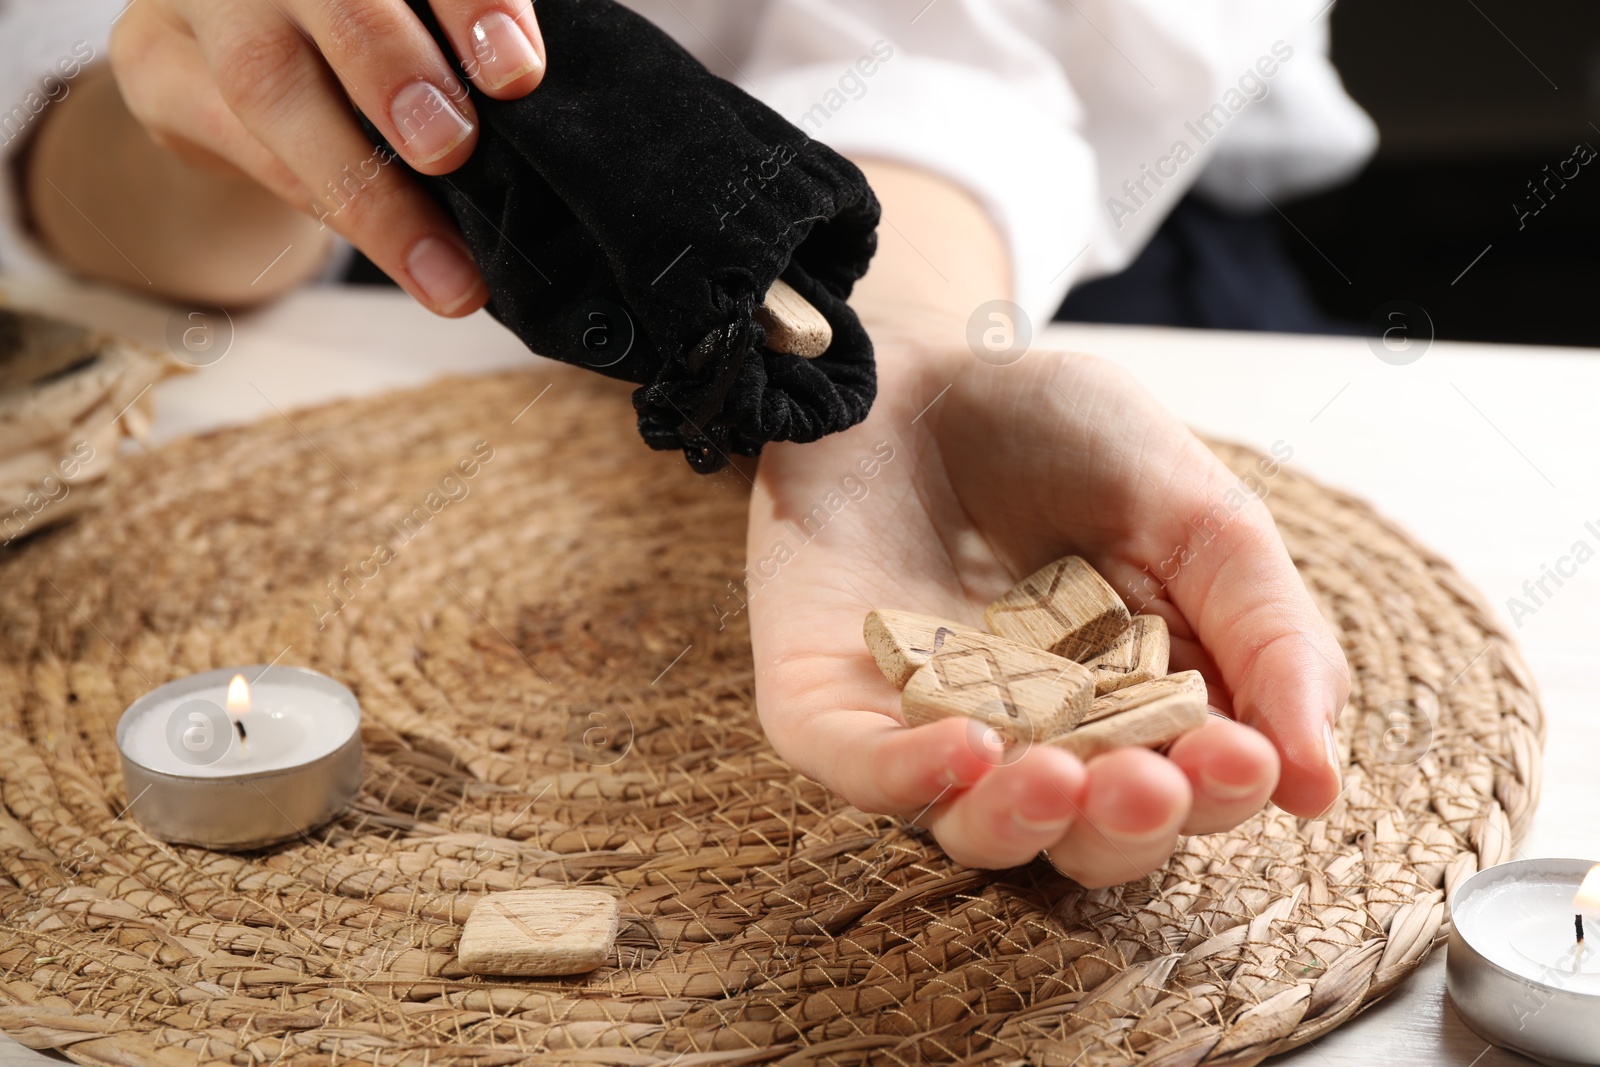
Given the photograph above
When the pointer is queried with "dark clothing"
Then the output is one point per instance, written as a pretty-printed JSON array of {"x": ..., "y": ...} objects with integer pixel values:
[{"x": 1208, "y": 269}]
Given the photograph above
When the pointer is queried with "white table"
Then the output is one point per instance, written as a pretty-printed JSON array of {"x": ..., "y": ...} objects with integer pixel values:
[{"x": 1485, "y": 452}]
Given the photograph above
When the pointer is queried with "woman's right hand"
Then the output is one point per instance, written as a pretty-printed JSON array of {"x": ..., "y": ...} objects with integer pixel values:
[{"x": 265, "y": 87}]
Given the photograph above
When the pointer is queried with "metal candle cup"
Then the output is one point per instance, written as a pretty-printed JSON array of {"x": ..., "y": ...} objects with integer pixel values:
[
  {"x": 1516, "y": 972},
  {"x": 194, "y": 777}
]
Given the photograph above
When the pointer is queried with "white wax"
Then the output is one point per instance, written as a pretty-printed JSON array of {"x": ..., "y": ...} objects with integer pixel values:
[
  {"x": 287, "y": 725},
  {"x": 1525, "y": 926}
]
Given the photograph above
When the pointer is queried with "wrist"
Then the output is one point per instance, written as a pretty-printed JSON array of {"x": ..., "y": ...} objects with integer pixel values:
[{"x": 940, "y": 256}]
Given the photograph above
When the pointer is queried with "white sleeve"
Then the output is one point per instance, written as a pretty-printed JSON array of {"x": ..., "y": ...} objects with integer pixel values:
[
  {"x": 44, "y": 46},
  {"x": 1072, "y": 121},
  {"x": 957, "y": 90},
  {"x": 1305, "y": 136}
]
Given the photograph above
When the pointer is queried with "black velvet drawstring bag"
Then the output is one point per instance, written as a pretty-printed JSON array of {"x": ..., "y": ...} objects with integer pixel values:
[{"x": 631, "y": 212}]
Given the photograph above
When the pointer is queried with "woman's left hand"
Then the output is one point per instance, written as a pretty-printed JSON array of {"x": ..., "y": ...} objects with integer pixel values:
[{"x": 967, "y": 477}]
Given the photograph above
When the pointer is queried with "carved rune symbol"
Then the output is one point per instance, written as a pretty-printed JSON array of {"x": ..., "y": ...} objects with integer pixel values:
[
  {"x": 964, "y": 670},
  {"x": 1042, "y": 601},
  {"x": 1124, "y": 660}
]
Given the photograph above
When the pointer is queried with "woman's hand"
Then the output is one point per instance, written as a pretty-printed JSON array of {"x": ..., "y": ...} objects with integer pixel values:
[
  {"x": 265, "y": 87},
  {"x": 980, "y": 475}
]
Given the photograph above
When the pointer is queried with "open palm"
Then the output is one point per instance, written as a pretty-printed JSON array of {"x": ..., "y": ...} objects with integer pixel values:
[{"x": 967, "y": 477}]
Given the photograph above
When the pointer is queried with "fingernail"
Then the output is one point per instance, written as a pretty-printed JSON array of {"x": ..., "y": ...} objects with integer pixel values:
[
  {"x": 444, "y": 272},
  {"x": 501, "y": 51},
  {"x": 1226, "y": 776},
  {"x": 1333, "y": 749},
  {"x": 1040, "y": 826},
  {"x": 427, "y": 122},
  {"x": 1130, "y": 837},
  {"x": 1122, "y": 817},
  {"x": 1218, "y": 789},
  {"x": 949, "y": 779}
]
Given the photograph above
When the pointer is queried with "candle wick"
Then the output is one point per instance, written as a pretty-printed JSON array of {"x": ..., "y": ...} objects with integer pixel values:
[
  {"x": 244, "y": 741},
  {"x": 1577, "y": 922}
]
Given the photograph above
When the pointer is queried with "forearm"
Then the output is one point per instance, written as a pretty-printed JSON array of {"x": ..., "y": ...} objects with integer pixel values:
[
  {"x": 110, "y": 204},
  {"x": 940, "y": 255}
]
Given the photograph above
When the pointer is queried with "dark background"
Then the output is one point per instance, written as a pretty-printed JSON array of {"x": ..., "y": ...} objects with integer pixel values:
[{"x": 1468, "y": 114}]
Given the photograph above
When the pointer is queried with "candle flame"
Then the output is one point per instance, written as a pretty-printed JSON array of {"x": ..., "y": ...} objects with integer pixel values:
[
  {"x": 1588, "y": 898},
  {"x": 238, "y": 697}
]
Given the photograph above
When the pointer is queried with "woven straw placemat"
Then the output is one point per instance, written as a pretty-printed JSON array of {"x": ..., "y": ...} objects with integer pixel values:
[{"x": 523, "y": 727}]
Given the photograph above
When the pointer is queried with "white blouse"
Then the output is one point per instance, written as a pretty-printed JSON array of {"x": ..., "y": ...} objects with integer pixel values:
[{"x": 1077, "y": 123}]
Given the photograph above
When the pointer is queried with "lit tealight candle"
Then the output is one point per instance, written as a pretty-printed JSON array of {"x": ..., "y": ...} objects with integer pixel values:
[
  {"x": 1587, "y": 902},
  {"x": 238, "y": 707},
  {"x": 241, "y": 757},
  {"x": 1524, "y": 958}
]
